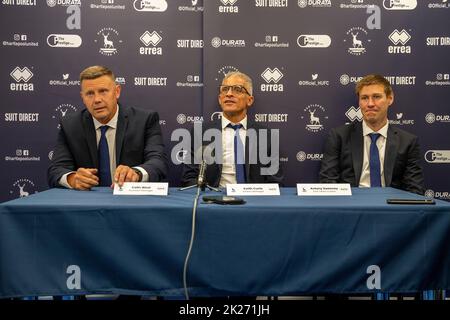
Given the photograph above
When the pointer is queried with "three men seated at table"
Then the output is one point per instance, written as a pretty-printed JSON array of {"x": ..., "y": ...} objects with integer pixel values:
[{"x": 108, "y": 142}]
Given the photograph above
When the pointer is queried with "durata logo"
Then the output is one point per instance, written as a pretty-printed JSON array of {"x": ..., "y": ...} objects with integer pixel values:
[
  {"x": 354, "y": 114},
  {"x": 431, "y": 118},
  {"x": 150, "y": 5},
  {"x": 302, "y": 156},
  {"x": 400, "y": 4},
  {"x": 64, "y": 40},
  {"x": 182, "y": 118}
]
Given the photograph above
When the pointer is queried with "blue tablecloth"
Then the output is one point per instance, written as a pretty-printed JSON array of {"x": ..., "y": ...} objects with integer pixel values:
[{"x": 73, "y": 242}]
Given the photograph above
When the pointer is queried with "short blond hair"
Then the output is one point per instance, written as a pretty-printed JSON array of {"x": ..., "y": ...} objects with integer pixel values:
[
  {"x": 94, "y": 72},
  {"x": 374, "y": 79}
]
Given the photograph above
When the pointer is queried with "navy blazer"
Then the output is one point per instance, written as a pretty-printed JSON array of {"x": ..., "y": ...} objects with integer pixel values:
[
  {"x": 214, "y": 171},
  {"x": 343, "y": 158},
  {"x": 138, "y": 143}
]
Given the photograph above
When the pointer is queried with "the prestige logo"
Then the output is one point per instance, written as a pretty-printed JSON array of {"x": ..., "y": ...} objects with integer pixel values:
[
  {"x": 437, "y": 156},
  {"x": 64, "y": 40},
  {"x": 150, "y": 5},
  {"x": 399, "y": 4},
  {"x": 314, "y": 41}
]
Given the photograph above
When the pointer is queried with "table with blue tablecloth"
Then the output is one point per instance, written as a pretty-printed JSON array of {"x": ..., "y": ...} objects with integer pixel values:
[{"x": 61, "y": 242}]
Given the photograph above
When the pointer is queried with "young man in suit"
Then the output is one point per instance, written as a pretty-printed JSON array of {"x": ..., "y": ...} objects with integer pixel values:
[
  {"x": 236, "y": 132},
  {"x": 373, "y": 153},
  {"x": 126, "y": 140}
]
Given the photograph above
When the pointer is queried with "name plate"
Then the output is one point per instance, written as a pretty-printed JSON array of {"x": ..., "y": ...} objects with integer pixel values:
[
  {"x": 324, "y": 189},
  {"x": 142, "y": 189},
  {"x": 253, "y": 189}
]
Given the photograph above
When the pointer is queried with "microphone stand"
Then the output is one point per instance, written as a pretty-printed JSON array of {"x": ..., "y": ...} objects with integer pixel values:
[
  {"x": 201, "y": 184},
  {"x": 201, "y": 180}
]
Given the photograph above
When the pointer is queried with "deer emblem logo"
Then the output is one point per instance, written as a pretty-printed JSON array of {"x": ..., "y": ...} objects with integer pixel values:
[
  {"x": 22, "y": 192},
  {"x": 313, "y": 120},
  {"x": 107, "y": 44},
  {"x": 356, "y": 43}
]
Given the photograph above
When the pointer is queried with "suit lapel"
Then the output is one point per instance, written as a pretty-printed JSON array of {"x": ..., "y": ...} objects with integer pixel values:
[
  {"x": 91, "y": 139},
  {"x": 122, "y": 124},
  {"x": 390, "y": 154},
  {"x": 357, "y": 141}
]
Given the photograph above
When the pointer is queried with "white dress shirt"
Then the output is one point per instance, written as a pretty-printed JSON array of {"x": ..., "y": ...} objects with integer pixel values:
[{"x": 228, "y": 165}]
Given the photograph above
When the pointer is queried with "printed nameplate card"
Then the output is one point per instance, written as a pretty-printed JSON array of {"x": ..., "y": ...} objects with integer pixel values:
[
  {"x": 253, "y": 189},
  {"x": 142, "y": 189},
  {"x": 324, "y": 189}
]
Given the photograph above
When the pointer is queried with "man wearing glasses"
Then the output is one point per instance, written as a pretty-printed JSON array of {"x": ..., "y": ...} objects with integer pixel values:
[{"x": 240, "y": 161}]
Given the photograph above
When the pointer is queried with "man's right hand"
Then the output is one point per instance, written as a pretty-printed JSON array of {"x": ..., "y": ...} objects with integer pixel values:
[{"x": 83, "y": 179}]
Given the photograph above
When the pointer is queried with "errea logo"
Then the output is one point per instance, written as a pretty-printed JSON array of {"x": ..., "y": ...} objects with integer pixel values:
[
  {"x": 272, "y": 75},
  {"x": 21, "y": 75},
  {"x": 228, "y": 6},
  {"x": 399, "y": 39},
  {"x": 153, "y": 39}
]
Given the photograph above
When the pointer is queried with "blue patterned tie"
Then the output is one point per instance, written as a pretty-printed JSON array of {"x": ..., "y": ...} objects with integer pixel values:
[
  {"x": 375, "y": 172},
  {"x": 238, "y": 154},
  {"x": 104, "y": 170}
]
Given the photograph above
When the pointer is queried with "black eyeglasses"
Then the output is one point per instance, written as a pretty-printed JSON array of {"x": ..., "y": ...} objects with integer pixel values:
[{"x": 237, "y": 89}]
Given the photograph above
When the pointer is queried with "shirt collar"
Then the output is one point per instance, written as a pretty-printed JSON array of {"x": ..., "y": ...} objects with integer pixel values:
[
  {"x": 382, "y": 131},
  {"x": 112, "y": 123},
  {"x": 225, "y": 122}
]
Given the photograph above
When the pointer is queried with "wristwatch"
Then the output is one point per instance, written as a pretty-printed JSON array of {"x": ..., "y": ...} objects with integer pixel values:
[{"x": 139, "y": 173}]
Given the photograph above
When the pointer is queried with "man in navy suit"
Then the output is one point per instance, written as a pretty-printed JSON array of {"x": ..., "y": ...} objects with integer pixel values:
[
  {"x": 235, "y": 97},
  {"x": 347, "y": 157},
  {"x": 133, "y": 139}
]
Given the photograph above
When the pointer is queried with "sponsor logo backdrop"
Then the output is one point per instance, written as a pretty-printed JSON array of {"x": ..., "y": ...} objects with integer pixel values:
[{"x": 304, "y": 57}]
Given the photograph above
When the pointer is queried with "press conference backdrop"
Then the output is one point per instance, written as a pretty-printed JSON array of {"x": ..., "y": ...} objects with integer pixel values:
[{"x": 170, "y": 55}]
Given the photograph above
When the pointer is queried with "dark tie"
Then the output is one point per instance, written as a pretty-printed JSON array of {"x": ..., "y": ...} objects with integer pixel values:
[
  {"x": 375, "y": 172},
  {"x": 238, "y": 154},
  {"x": 104, "y": 169}
]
